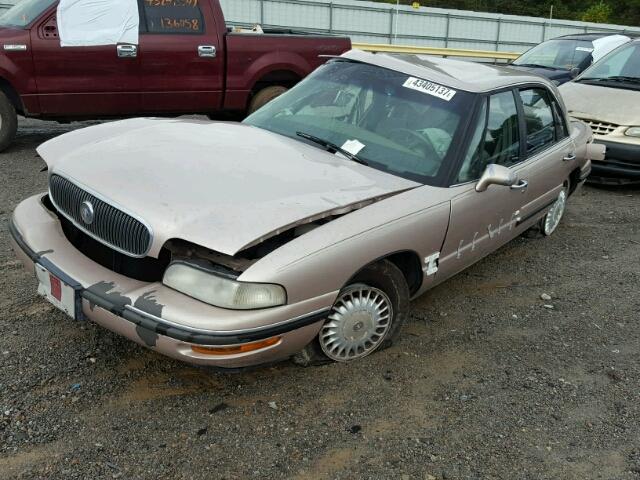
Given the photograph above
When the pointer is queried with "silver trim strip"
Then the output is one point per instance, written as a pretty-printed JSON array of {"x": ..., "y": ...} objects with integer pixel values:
[
  {"x": 109, "y": 202},
  {"x": 218, "y": 332},
  {"x": 15, "y": 47}
]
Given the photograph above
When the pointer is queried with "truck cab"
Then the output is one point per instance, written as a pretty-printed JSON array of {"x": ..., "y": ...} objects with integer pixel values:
[{"x": 186, "y": 60}]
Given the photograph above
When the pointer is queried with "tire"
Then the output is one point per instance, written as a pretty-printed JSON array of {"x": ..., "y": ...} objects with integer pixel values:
[
  {"x": 8, "y": 122},
  {"x": 552, "y": 219},
  {"x": 369, "y": 329},
  {"x": 264, "y": 96},
  {"x": 550, "y": 222}
]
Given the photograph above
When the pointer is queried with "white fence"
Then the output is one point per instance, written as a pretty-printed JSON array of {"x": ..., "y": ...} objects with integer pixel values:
[{"x": 379, "y": 23}]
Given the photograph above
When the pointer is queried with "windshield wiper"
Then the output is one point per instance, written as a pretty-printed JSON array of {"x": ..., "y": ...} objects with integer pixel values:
[
  {"x": 534, "y": 65},
  {"x": 331, "y": 146},
  {"x": 617, "y": 78}
]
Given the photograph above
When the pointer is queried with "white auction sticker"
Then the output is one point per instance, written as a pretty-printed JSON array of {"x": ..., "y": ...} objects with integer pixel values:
[
  {"x": 430, "y": 88},
  {"x": 353, "y": 146}
]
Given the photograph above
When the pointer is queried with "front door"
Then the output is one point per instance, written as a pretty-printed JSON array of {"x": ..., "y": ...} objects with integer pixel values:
[
  {"x": 481, "y": 222},
  {"x": 83, "y": 81},
  {"x": 182, "y": 57}
]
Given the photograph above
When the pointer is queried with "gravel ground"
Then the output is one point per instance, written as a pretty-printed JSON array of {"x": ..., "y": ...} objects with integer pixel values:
[{"x": 485, "y": 383}]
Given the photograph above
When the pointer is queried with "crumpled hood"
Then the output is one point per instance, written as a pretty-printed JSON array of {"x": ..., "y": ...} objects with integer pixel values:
[
  {"x": 604, "y": 104},
  {"x": 223, "y": 186}
]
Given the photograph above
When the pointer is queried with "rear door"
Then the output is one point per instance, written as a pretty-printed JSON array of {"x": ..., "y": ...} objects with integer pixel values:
[
  {"x": 550, "y": 152},
  {"x": 82, "y": 81},
  {"x": 181, "y": 55}
]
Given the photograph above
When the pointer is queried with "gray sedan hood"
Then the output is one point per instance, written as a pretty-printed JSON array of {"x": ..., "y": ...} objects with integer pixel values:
[{"x": 223, "y": 186}]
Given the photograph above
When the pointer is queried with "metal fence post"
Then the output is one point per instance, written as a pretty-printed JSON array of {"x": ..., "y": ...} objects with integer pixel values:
[
  {"x": 498, "y": 34},
  {"x": 391, "y": 15},
  {"x": 331, "y": 17},
  {"x": 446, "y": 32},
  {"x": 261, "y": 12}
]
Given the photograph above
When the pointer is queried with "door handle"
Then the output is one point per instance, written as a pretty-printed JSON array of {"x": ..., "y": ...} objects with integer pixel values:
[
  {"x": 521, "y": 185},
  {"x": 207, "y": 51},
  {"x": 127, "y": 51},
  {"x": 570, "y": 157}
]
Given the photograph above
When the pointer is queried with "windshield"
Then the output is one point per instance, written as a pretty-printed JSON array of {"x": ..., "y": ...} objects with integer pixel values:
[
  {"x": 623, "y": 63},
  {"x": 25, "y": 12},
  {"x": 558, "y": 54},
  {"x": 388, "y": 120}
]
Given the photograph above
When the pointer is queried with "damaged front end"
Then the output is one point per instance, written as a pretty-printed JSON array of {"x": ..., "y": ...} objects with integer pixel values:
[{"x": 151, "y": 269}]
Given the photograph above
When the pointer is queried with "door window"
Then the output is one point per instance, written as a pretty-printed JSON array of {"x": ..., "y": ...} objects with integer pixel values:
[
  {"x": 539, "y": 119},
  {"x": 499, "y": 140},
  {"x": 172, "y": 17}
]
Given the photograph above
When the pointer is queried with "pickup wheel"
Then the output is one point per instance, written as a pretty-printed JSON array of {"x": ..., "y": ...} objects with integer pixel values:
[
  {"x": 264, "y": 96},
  {"x": 8, "y": 122},
  {"x": 365, "y": 318}
]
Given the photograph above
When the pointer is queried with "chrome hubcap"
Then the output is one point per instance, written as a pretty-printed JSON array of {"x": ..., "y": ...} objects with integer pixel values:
[
  {"x": 358, "y": 323},
  {"x": 552, "y": 220}
]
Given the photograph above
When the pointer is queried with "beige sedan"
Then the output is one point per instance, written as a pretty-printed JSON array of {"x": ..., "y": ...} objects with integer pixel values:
[
  {"x": 607, "y": 97},
  {"x": 306, "y": 230}
]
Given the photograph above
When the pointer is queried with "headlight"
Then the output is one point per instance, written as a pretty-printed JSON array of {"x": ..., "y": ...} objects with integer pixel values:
[
  {"x": 220, "y": 291},
  {"x": 633, "y": 132}
]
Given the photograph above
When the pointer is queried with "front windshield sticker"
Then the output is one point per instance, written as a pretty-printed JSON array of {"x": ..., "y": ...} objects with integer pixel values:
[
  {"x": 353, "y": 146},
  {"x": 584, "y": 49},
  {"x": 430, "y": 88}
]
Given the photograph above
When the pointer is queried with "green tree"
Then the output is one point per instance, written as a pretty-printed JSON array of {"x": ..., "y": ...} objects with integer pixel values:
[
  {"x": 598, "y": 13},
  {"x": 621, "y": 12}
]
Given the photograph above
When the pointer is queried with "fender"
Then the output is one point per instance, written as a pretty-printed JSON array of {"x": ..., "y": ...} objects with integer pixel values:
[{"x": 267, "y": 63}]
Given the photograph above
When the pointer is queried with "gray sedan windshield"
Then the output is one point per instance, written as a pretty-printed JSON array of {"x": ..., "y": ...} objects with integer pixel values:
[
  {"x": 385, "y": 119},
  {"x": 558, "y": 54}
]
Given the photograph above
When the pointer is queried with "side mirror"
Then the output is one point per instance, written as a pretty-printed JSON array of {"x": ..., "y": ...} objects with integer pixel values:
[
  {"x": 574, "y": 72},
  {"x": 496, "y": 175}
]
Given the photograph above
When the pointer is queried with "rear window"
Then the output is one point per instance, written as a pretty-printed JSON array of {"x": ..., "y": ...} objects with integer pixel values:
[
  {"x": 172, "y": 17},
  {"x": 25, "y": 12}
]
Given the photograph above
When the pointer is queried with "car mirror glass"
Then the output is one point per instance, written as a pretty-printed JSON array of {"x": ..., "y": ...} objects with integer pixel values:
[{"x": 496, "y": 175}]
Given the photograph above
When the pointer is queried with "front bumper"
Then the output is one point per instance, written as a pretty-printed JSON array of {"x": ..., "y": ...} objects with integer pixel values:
[
  {"x": 152, "y": 314},
  {"x": 621, "y": 165}
]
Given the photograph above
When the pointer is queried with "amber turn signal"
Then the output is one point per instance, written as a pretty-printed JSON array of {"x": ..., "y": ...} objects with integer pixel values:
[{"x": 244, "y": 348}]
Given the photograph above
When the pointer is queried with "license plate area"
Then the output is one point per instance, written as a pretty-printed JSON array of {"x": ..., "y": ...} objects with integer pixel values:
[{"x": 64, "y": 295}]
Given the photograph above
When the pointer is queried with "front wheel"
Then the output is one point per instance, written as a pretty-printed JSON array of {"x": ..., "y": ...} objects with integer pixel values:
[
  {"x": 551, "y": 220},
  {"x": 365, "y": 318}
]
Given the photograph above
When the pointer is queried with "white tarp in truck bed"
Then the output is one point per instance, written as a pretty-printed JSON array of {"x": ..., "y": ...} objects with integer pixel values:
[{"x": 86, "y": 23}]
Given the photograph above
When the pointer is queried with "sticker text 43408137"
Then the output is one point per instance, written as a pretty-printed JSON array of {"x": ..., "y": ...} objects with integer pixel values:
[{"x": 430, "y": 88}]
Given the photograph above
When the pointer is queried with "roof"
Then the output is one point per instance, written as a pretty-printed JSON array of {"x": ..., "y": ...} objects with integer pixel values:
[
  {"x": 589, "y": 36},
  {"x": 461, "y": 75}
]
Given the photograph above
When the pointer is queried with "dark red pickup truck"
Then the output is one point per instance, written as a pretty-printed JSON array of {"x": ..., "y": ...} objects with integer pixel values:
[{"x": 186, "y": 61}]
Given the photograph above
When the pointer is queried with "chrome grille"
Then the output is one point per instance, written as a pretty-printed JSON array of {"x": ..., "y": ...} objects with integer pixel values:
[
  {"x": 601, "y": 128},
  {"x": 110, "y": 226}
]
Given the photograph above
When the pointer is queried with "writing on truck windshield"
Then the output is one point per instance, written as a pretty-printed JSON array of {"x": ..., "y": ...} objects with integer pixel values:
[
  {"x": 24, "y": 12},
  {"x": 389, "y": 120}
]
